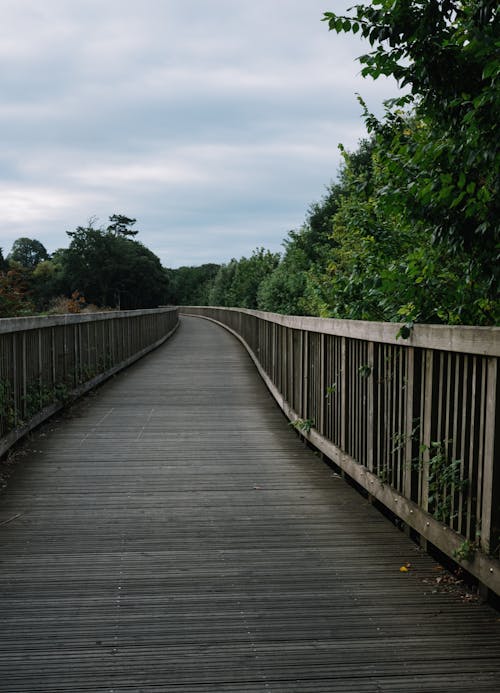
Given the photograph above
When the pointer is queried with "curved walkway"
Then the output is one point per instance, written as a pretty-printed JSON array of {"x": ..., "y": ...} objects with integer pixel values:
[{"x": 173, "y": 534}]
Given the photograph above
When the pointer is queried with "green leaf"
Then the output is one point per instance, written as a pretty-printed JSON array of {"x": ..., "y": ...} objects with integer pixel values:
[{"x": 405, "y": 331}]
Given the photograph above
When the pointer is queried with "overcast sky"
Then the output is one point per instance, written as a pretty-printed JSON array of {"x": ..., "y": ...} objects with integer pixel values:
[{"x": 214, "y": 122}]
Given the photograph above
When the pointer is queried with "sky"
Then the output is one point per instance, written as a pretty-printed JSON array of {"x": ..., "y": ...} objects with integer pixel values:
[{"x": 214, "y": 123}]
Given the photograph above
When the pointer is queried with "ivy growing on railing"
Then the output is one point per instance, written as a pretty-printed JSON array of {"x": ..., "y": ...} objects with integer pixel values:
[
  {"x": 8, "y": 413},
  {"x": 444, "y": 479},
  {"x": 444, "y": 474},
  {"x": 39, "y": 395},
  {"x": 302, "y": 424}
]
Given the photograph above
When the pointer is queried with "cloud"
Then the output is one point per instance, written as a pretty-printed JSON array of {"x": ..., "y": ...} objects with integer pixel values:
[{"x": 214, "y": 124}]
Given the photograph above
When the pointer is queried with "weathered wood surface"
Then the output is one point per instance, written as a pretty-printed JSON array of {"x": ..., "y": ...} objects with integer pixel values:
[
  {"x": 460, "y": 338},
  {"x": 174, "y": 535},
  {"x": 46, "y": 360},
  {"x": 417, "y": 428}
]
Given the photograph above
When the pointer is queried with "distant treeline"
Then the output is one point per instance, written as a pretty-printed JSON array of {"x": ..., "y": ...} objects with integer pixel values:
[
  {"x": 359, "y": 254},
  {"x": 101, "y": 268},
  {"x": 409, "y": 231}
]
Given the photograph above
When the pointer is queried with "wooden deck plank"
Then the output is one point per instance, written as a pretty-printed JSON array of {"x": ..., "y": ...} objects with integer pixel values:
[{"x": 174, "y": 535}]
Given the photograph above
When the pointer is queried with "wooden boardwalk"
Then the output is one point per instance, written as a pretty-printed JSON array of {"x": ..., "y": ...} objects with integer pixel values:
[{"x": 173, "y": 534}]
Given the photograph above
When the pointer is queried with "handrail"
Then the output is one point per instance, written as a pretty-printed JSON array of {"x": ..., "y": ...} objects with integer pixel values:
[
  {"x": 415, "y": 422},
  {"x": 48, "y": 361},
  {"x": 33, "y": 322},
  {"x": 456, "y": 338}
]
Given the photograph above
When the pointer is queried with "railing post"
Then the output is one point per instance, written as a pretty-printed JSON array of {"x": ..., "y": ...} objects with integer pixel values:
[
  {"x": 408, "y": 442},
  {"x": 343, "y": 395},
  {"x": 322, "y": 384},
  {"x": 370, "y": 408},
  {"x": 424, "y": 457},
  {"x": 15, "y": 377},
  {"x": 305, "y": 374},
  {"x": 490, "y": 518},
  {"x": 24, "y": 403},
  {"x": 40, "y": 362}
]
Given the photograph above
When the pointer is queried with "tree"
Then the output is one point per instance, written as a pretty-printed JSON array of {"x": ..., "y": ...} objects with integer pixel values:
[
  {"x": 237, "y": 284},
  {"x": 3, "y": 262},
  {"x": 249, "y": 274},
  {"x": 190, "y": 286},
  {"x": 438, "y": 149},
  {"x": 220, "y": 291},
  {"x": 443, "y": 154},
  {"x": 113, "y": 270},
  {"x": 47, "y": 282},
  {"x": 28, "y": 252},
  {"x": 14, "y": 295},
  {"x": 120, "y": 225},
  {"x": 284, "y": 290},
  {"x": 289, "y": 289},
  {"x": 381, "y": 266}
]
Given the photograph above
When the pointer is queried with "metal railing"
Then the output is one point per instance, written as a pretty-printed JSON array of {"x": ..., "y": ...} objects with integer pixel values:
[
  {"x": 414, "y": 421},
  {"x": 47, "y": 361}
]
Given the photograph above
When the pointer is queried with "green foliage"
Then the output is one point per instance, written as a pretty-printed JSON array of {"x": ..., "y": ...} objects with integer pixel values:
[
  {"x": 47, "y": 281},
  {"x": 444, "y": 479},
  {"x": 220, "y": 291},
  {"x": 441, "y": 158},
  {"x": 8, "y": 413},
  {"x": 14, "y": 294},
  {"x": 282, "y": 291},
  {"x": 111, "y": 269},
  {"x": 365, "y": 370},
  {"x": 409, "y": 233},
  {"x": 39, "y": 395},
  {"x": 190, "y": 286},
  {"x": 120, "y": 225},
  {"x": 404, "y": 332},
  {"x": 302, "y": 424},
  {"x": 4, "y": 265},
  {"x": 382, "y": 266},
  {"x": 360, "y": 255},
  {"x": 249, "y": 274},
  {"x": 288, "y": 289},
  {"x": 36, "y": 398},
  {"x": 466, "y": 551},
  {"x": 331, "y": 390},
  {"x": 106, "y": 266},
  {"x": 28, "y": 252},
  {"x": 238, "y": 282}
]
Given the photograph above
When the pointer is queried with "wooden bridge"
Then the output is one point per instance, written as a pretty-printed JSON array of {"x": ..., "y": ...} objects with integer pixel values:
[{"x": 172, "y": 533}]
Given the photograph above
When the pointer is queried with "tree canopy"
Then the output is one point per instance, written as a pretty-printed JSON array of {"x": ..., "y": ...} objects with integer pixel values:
[
  {"x": 238, "y": 282},
  {"x": 442, "y": 152},
  {"x": 121, "y": 225},
  {"x": 105, "y": 267},
  {"x": 190, "y": 286},
  {"x": 111, "y": 269},
  {"x": 28, "y": 252}
]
